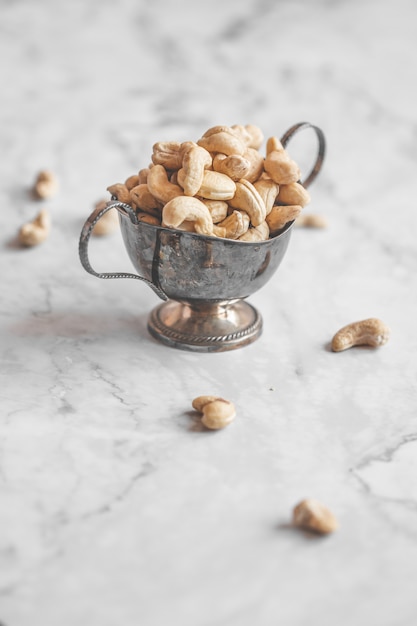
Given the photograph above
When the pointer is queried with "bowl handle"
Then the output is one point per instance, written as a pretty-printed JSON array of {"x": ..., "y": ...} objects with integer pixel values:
[
  {"x": 320, "y": 152},
  {"x": 88, "y": 227}
]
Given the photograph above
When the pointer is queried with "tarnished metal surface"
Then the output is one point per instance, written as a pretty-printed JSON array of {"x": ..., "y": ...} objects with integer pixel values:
[{"x": 187, "y": 266}]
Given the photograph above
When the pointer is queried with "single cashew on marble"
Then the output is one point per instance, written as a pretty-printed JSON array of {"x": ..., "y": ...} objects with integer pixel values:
[
  {"x": 35, "y": 232},
  {"x": 217, "y": 412},
  {"x": 187, "y": 209},
  {"x": 311, "y": 220},
  {"x": 310, "y": 514},
  {"x": 106, "y": 224},
  {"x": 46, "y": 185},
  {"x": 369, "y": 332}
]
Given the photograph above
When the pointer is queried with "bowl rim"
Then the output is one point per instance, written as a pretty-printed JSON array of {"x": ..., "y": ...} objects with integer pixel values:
[{"x": 185, "y": 233}]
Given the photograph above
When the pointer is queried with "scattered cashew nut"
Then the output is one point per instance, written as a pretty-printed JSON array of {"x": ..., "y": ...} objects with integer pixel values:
[
  {"x": 35, "y": 232},
  {"x": 46, "y": 185},
  {"x": 311, "y": 220},
  {"x": 370, "y": 332},
  {"x": 106, "y": 224},
  {"x": 311, "y": 515},
  {"x": 217, "y": 412}
]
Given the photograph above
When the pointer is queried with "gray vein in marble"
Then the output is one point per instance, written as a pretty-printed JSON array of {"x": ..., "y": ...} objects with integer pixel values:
[
  {"x": 387, "y": 456},
  {"x": 146, "y": 469}
]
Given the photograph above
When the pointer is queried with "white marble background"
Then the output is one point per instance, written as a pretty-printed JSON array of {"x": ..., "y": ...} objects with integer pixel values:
[{"x": 115, "y": 507}]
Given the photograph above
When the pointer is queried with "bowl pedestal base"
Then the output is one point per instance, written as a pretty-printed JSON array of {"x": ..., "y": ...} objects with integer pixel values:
[{"x": 202, "y": 326}]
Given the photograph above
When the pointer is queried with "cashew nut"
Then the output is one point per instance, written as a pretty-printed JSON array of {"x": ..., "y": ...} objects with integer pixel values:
[
  {"x": 222, "y": 139},
  {"x": 167, "y": 153},
  {"x": 235, "y": 165},
  {"x": 273, "y": 144},
  {"x": 187, "y": 208},
  {"x": 260, "y": 233},
  {"x": 46, "y": 185},
  {"x": 225, "y": 171},
  {"x": 121, "y": 192},
  {"x": 256, "y": 161},
  {"x": 141, "y": 198},
  {"x": 311, "y": 220},
  {"x": 281, "y": 215},
  {"x": 159, "y": 185},
  {"x": 143, "y": 176},
  {"x": 148, "y": 219},
  {"x": 370, "y": 332},
  {"x": 248, "y": 199},
  {"x": 294, "y": 193},
  {"x": 256, "y": 136},
  {"x": 235, "y": 225},
  {"x": 195, "y": 160},
  {"x": 132, "y": 181},
  {"x": 106, "y": 224},
  {"x": 268, "y": 190},
  {"x": 311, "y": 515},
  {"x": 35, "y": 232},
  {"x": 216, "y": 186},
  {"x": 218, "y": 209},
  {"x": 281, "y": 168},
  {"x": 217, "y": 412}
]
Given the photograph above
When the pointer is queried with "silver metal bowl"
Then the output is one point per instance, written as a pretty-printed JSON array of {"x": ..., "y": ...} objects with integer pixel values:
[{"x": 203, "y": 281}]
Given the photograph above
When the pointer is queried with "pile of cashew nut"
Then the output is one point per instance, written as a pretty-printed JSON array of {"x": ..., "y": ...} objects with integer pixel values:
[{"x": 220, "y": 186}]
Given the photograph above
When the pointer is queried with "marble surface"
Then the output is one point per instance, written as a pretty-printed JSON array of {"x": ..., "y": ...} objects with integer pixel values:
[{"x": 115, "y": 506}]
